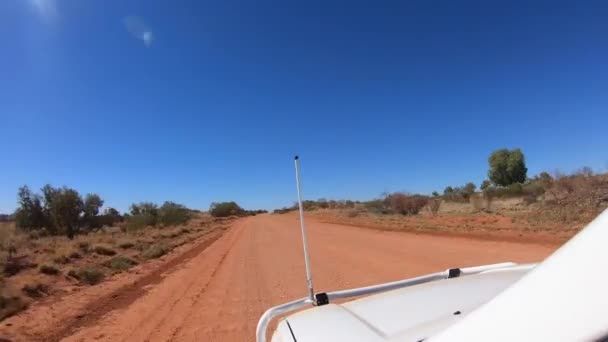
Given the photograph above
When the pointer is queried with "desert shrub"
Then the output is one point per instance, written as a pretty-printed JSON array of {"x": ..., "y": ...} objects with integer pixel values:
[
  {"x": 476, "y": 202},
  {"x": 29, "y": 214},
  {"x": 57, "y": 210},
  {"x": 110, "y": 217},
  {"x": 544, "y": 180},
  {"x": 147, "y": 209},
  {"x": 459, "y": 194},
  {"x": 531, "y": 191},
  {"x": 10, "y": 304},
  {"x": 485, "y": 184},
  {"x": 142, "y": 245},
  {"x": 434, "y": 205},
  {"x": 87, "y": 275},
  {"x": 354, "y": 212},
  {"x": 171, "y": 213},
  {"x": 49, "y": 269},
  {"x": 513, "y": 190},
  {"x": 507, "y": 167},
  {"x": 126, "y": 244},
  {"x": 14, "y": 265},
  {"x": 104, "y": 250},
  {"x": 405, "y": 204},
  {"x": 138, "y": 222},
  {"x": 225, "y": 209},
  {"x": 35, "y": 290},
  {"x": 377, "y": 206},
  {"x": 83, "y": 246},
  {"x": 91, "y": 205},
  {"x": 155, "y": 251},
  {"x": 61, "y": 259},
  {"x": 120, "y": 263},
  {"x": 74, "y": 255},
  {"x": 63, "y": 207},
  {"x": 322, "y": 203},
  {"x": 284, "y": 210}
]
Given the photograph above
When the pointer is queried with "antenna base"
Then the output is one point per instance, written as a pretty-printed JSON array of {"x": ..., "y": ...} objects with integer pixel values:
[{"x": 321, "y": 299}]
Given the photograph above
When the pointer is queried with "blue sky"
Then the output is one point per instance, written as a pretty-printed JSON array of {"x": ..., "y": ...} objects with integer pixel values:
[{"x": 200, "y": 101}]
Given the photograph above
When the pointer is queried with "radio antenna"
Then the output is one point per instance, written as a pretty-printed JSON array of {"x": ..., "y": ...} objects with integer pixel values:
[{"x": 311, "y": 292}]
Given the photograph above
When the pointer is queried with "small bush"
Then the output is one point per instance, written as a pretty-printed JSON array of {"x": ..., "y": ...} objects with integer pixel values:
[
  {"x": 142, "y": 245},
  {"x": 36, "y": 290},
  {"x": 104, "y": 250},
  {"x": 15, "y": 265},
  {"x": 155, "y": 251},
  {"x": 10, "y": 305},
  {"x": 434, "y": 205},
  {"x": 61, "y": 259},
  {"x": 225, "y": 209},
  {"x": 75, "y": 255},
  {"x": 405, "y": 204},
  {"x": 120, "y": 263},
  {"x": 352, "y": 213},
  {"x": 376, "y": 206},
  {"x": 126, "y": 245},
  {"x": 139, "y": 222},
  {"x": 49, "y": 269},
  {"x": 171, "y": 213},
  {"x": 87, "y": 275},
  {"x": 83, "y": 246}
]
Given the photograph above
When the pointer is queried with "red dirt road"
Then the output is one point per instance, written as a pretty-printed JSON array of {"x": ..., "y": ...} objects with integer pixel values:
[{"x": 219, "y": 294}]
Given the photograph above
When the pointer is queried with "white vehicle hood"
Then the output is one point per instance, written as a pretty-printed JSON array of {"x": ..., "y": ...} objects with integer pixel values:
[{"x": 408, "y": 314}]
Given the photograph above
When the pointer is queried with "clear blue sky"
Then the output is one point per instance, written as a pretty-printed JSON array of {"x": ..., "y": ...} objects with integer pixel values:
[{"x": 200, "y": 101}]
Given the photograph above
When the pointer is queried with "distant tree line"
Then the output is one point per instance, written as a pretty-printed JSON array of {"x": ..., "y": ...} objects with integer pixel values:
[
  {"x": 61, "y": 211},
  {"x": 507, "y": 177},
  {"x": 144, "y": 214},
  {"x": 227, "y": 209}
]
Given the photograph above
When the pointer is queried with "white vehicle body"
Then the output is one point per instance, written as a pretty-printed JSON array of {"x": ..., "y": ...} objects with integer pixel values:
[{"x": 562, "y": 299}]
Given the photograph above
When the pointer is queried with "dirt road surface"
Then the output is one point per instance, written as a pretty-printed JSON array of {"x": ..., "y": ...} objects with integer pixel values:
[{"x": 219, "y": 294}]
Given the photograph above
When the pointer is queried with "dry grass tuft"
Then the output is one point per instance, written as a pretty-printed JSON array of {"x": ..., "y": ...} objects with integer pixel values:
[
  {"x": 88, "y": 275},
  {"x": 104, "y": 250},
  {"x": 120, "y": 263},
  {"x": 155, "y": 251},
  {"x": 49, "y": 269}
]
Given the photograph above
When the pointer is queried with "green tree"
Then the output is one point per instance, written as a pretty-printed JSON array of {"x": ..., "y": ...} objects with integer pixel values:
[
  {"x": 224, "y": 209},
  {"x": 468, "y": 189},
  {"x": 64, "y": 209},
  {"x": 507, "y": 167},
  {"x": 435, "y": 194},
  {"x": 545, "y": 180},
  {"x": 145, "y": 213},
  {"x": 30, "y": 214},
  {"x": 485, "y": 184},
  {"x": 109, "y": 211},
  {"x": 448, "y": 190},
  {"x": 171, "y": 213},
  {"x": 92, "y": 204}
]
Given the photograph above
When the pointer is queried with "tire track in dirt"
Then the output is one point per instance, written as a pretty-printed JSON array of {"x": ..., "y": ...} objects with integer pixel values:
[{"x": 126, "y": 295}]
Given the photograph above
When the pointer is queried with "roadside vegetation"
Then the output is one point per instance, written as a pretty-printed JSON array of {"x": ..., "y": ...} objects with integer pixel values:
[
  {"x": 228, "y": 209},
  {"x": 57, "y": 240},
  {"x": 508, "y": 201}
]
